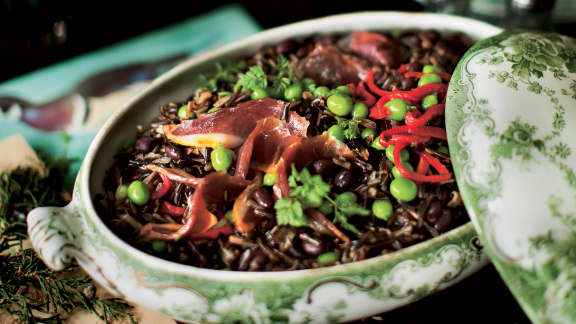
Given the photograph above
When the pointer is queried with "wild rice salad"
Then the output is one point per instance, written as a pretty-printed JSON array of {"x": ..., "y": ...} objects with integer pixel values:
[{"x": 313, "y": 152}]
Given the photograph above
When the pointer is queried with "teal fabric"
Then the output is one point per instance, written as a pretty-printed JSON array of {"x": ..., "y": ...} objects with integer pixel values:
[{"x": 195, "y": 35}]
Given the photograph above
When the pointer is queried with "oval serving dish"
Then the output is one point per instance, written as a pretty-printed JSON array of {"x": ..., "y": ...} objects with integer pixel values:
[{"x": 336, "y": 293}]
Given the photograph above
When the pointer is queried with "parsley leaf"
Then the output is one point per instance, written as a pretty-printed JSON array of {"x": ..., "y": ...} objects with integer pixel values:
[
  {"x": 289, "y": 211},
  {"x": 225, "y": 72},
  {"x": 344, "y": 209},
  {"x": 284, "y": 67},
  {"x": 350, "y": 127},
  {"x": 312, "y": 190},
  {"x": 254, "y": 78}
]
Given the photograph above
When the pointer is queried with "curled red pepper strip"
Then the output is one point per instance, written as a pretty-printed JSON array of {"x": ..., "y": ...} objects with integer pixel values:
[
  {"x": 352, "y": 88},
  {"x": 402, "y": 69},
  {"x": 213, "y": 233},
  {"x": 423, "y": 166},
  {"x": 172, "y": 210},
  {"x": 369, "y": 99},
  {"x": 442, "y": 176},
  {"x": 443, "y": 75},
  {"x": 431, "y": 113},
  {"x": 380, "y": 111},
  {"x": 163, "y": 189},
  {"x": 373, "y": 87},
  {"x": 435, "y": 163},
  {"x": 412, "y": 116},
  {"x": 403, "y": 138},
  {"x": 430, "y": 131}
]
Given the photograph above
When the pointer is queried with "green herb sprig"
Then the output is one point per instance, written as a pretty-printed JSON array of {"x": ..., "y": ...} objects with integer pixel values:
[
  {"x": 350, "y": 127},
  {"x": 312, "y": 191},
  {"x": 29, "y": 291}
]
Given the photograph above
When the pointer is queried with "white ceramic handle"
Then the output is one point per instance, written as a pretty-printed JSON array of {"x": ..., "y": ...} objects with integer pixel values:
[{"x": 51, "y": 234}]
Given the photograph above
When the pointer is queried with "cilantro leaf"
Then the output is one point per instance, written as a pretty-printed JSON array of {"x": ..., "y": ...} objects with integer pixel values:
[
  {"x": 254, "y": 78},
  {"x": 284, "y": 67},
  {"x": 344, "y": 209},
  {"x": 279, "y": 85},
  {"x": 289, "y": 211}
]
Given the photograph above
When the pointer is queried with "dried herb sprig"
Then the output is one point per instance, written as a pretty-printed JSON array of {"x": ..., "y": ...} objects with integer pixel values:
[{"x": 29, "y": 291}]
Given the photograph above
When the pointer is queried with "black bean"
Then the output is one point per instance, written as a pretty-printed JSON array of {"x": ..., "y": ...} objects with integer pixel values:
[
  {"x": 144, "y": 144},
  {"x": 263, "y": 198},
  {"x": 312, "y": 246},
  {"x": 173, "y": 152},
  {"x": 286, "y": 46},
  {"x": 444, "y": 221},
  {"x": 258, "y": 260},
  {"x": 434, "y": 211},
  {"x": 408, "y": 83},
  {"x": 322, "y": 167},
  {"x": 414, "y": 67},
  {"x": 343, "y": 179}
]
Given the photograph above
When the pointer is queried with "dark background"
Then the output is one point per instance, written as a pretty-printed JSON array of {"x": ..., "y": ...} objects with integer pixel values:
[{"x": 28, "y": 41}]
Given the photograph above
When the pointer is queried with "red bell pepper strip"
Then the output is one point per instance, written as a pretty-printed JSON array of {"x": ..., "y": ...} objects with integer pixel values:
[
  {"x": 430, "y": 131},
  {"x": 402, "y": 69},
  {"x": 369, "y": 99},
  {"x": 164, "y": 188},
  {"x": 412, "y": 116},
  {"x": 171, "y": 209},
  {"x": 403, "y": 138},
  {"x": 373, "y": 87},
  {"x": 423, "y": 166},
  {"x": 431, "y": 113},
  {"x": 435, "y": 163},
  {"x": 443, "y": 75},
  {"x": 380, "y": 111},
  {"x": 443, "y": 172},
  {"x": 213, "y": 233}
]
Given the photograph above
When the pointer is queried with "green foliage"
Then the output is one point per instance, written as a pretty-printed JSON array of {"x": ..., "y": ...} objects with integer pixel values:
[
  {"x": 29, "y": 291},
  {"x": 309, "y": 189},
  {"x": 225, "y": 72},
  {"x": 516, "y": 140},
  {"x": 289, "y": 211},
  {"x": 254, "y": 78},
  {"x": 350, "y": 127}
]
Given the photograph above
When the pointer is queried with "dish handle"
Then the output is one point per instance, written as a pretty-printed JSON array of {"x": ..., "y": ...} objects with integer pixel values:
[{"x": 53, "y": 232}]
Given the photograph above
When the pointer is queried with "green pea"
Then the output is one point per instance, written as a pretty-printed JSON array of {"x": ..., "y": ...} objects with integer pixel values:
[
  {"x": 347, "y": 198},
  {"x": 327, "y": 258},
  {"x": 322, "y": 91},
  {"x": 382, "y": 209},
  {"x": 368, "y": 132},
  {"x": 213, "y": 109},
  {"x": 339, "y": 104},
  {"x": 376, "y": 145},
  {"x": 429, "y": 78},
  {"x": 269, "y": 179},
  {"x": 396, "y": 172},
  {"x": 259, "y": 93},
  {"x": 337, "y": 132},
  {"x": 293, "y": 93},
  {"x": 159, "y": 246},
  {"x": 182, "y": 113},
  {"x": 431, "y": 68},
  {"x": 326, "y": 208},
  {"x": 344, "y": 90},
  {"x": 429, "y": 101},
  {"x": 121, "y": 192},
  {"x": 443, "y": 149},
  {"x": 360, "y": 110},
  {"x": 138, "y": 192},
  {"x": 403, "y": 189},
  {"x": 398, "y": 109},
  {"x": 229, "y": 216},
  {"x": 404, "y": 155},
  {"x": 221, "y": 158}
]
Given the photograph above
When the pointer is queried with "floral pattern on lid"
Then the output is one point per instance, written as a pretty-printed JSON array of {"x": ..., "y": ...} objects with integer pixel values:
[{"x": 511, "y": 126}]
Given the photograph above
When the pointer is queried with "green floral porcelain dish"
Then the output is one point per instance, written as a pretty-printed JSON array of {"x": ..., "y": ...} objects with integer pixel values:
[
  {"x": 511, "y": 127},
  {"x": 331, "y": 294}
]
